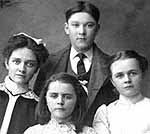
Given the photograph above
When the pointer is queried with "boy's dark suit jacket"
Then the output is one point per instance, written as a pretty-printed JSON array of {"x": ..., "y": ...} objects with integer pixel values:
[{"x": 99, "y": 88}]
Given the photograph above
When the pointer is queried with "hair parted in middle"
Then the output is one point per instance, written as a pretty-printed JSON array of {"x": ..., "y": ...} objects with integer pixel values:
[
  {"x": 43, "y": 114},
  {"x": 22, "y": 41},
  {"x": 127, "y": 54}
]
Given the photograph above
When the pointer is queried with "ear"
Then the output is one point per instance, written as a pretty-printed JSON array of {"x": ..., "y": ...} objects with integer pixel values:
[
  {"x": 6, "y": 64},
  {"x": 66, "y": 28},
  {"x": 97, "y": 28},
  {"x": 112, "y": 82},
  {"x": 37, "y": 70}
]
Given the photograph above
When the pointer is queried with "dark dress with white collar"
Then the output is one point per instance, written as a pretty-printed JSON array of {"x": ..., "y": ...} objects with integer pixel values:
[{"x": 23, "y": 111}]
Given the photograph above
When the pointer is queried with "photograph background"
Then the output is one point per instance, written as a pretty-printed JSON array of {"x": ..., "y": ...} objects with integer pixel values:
[{"x": 125, "y": 24}]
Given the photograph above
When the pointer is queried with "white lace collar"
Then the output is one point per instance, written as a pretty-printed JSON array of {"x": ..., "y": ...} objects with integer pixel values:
[
  {"x": 15, "y": 89},
  {"x": 65, "y": 128}
]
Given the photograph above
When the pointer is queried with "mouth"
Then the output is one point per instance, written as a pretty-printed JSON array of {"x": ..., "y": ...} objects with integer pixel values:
[
  {"x": 130, "y": 86},
  {"x": 60, "y": 109},
  {"x": 20, "y": 75},
  {"x": 81, "y": 38}
]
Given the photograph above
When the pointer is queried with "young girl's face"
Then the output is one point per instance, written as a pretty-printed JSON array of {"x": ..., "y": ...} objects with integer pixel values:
[
  {"x": 21, "y": 65},
  {"x": 61, "y": 100},
  {"x": 127, "y": 76}
]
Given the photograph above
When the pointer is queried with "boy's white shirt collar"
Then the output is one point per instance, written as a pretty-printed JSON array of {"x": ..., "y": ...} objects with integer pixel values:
[
  {"x": 88, "y": 53},
  {"x": 74, "y": 59}
]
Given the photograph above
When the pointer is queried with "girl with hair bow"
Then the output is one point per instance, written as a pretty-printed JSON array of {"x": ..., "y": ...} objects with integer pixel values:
[{"x": 23, "y": 56}]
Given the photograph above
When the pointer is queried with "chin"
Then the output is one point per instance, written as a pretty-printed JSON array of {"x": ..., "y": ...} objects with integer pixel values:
[
  {"x": 132, "y": 94},
  {"x": 61, "y": 116},
  {"x": 84, "y": 48},
  {"x": 20, "y": 82}
]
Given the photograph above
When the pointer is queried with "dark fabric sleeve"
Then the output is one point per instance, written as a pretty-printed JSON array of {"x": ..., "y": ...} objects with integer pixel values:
[
  {"x": 23, "y": 115},
  {"x": 106, "y": 95},
  {"x": 4, "y": 98}
]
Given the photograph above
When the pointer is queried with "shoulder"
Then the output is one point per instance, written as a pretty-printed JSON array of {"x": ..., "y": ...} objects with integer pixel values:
[
  {"x": 2, "y": 86},
  {"x": 60, "y": 52},
  {"x": 102, "y": 107},
  {"x": 104, "y": 110},
  {"x": 100, "y": 57},
  {"x": 36, "y": 129},
  {"x": 112, "y": 105},
  {"x": 145, "y": 102},
  {"x": 100, "y": 111},
  {"x": 56, "y": 56},
  {"x": 31, "y": 95},
  {"x": 63, "y": 50},
  {"x": 99, "y": 52},
  {"x": 88, "y": 130},
  {"x": 100, "y": 116}
]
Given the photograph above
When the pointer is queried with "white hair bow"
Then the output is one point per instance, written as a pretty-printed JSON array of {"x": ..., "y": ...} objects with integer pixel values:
[
  {"x": 83, "y": 83},
  {"x": 38, "y": 41}
]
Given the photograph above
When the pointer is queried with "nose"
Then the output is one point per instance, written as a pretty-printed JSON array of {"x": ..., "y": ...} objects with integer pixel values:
[
  {"x": 22, "y": 68},
  {"x": 127, "y": 79},
  {"x": 60, "y": 100},
  {"x": 82, "y": 30}
]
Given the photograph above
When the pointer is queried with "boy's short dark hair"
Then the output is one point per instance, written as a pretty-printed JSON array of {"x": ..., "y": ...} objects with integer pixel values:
[{"x": 83, "y": 6}]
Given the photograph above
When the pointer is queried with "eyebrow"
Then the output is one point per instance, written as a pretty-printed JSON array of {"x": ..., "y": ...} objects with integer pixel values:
[
  {"x": 76, "y": 21},
  {"x": 26, "y": 59},
  {"x": 61, "y": 93},
  {"x": 32, "y": 61},
  {"x": 128, "y": 71}
]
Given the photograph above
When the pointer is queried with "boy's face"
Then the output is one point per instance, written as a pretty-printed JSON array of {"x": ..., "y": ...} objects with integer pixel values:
[{"x": 82, "y": 29}]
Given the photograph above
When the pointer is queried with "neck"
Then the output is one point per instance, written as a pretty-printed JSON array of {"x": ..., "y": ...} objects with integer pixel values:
[
  {"x": 84, "y": 50},
  {"x": 20, "y": 85},
  {"x": 62, "y": 120},
  {"x": 15, "y": 88}
]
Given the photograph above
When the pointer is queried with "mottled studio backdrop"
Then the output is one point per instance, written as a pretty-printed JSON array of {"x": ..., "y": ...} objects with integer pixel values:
[{"x": 125, "y": 24}]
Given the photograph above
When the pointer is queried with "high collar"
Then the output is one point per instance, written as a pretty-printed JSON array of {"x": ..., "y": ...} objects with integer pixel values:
[
  {"x": 89, "y": 53},
  {"x": 66, "y": 125},
  {"x": 14, "y": 88},
  {"x": 124, "y": 101}
]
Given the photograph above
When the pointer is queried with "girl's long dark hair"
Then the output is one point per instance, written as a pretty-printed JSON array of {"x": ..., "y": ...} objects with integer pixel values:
[{"x": 43, "y": 114}]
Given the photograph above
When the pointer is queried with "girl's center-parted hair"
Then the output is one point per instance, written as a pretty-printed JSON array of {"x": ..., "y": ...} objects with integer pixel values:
[
  {"x": 22, "y": 41},
  {"x": 127, "y": 54},
  {"x": 42, "y": 112}
]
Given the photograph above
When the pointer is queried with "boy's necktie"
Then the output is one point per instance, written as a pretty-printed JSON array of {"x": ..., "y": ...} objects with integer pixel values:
[{"x": 80, "y": 64}]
